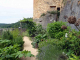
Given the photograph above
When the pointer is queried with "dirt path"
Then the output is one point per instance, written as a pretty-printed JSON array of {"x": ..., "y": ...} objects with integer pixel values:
[{"x": 28, "y": 46}]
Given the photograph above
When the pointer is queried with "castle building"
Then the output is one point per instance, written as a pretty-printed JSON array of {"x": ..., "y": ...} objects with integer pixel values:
[{"x": 42, "y": 6}]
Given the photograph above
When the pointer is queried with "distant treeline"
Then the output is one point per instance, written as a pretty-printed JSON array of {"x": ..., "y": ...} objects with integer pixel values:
[{"x": 15, "y": 25}]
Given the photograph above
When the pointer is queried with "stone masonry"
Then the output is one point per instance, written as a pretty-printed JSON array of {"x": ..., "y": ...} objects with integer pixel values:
[{"x": 42, "y": 6}]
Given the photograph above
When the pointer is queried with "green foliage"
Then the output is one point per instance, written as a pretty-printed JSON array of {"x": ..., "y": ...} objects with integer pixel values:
[
  {"x": 54, "y": 28},
  {"x": 39, "y": 30},
  {"x": 15, "y": 33},
  {"x": 13, "y": 53},
  {"x": 59, "y": 35},
  {"x": 50, "y": 52},
  {"x": 31, "y": 31},
  {"x": 19, "y": 41},
  {"x": 30, "y": 26},
  {"x": 14, "y": 37},
  {"x": 14, "y": 25},
  {"x": 26, "y": 20},
  {"x": 74, "y": 57},
  {"x": 4, "y": 43},
  {"x": 47, "y": 42},
  {"x": 7, "y": 35},
  {"x": 52, "y": 12},
  {"x": 43, "y": 14},
  {"x": 58, "y": 14},
  {"x": 39, "y": 38},
  {"x": 71, "y": 43}
]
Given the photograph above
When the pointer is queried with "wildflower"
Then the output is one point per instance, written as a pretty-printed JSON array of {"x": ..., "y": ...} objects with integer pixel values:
[
  {"x": 66, "y": 35},
  {"x": 54, "y": 21},
  {"x": 63, "y": 53}
]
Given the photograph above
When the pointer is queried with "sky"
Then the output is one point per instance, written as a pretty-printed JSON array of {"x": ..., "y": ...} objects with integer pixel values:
[{"x": 12, "y": 11}]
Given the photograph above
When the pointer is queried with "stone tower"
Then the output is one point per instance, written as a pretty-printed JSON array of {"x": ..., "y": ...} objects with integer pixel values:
[{"x": 42, "y": 6}]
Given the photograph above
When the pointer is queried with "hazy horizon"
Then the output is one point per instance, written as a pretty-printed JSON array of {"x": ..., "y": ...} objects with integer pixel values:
[{"x": 12, "y": 11}]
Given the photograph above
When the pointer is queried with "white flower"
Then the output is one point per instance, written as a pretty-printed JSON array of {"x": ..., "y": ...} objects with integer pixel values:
[
  {"x": 54, "y": 21},
  {"x": 66, "y": 35},
  {"x": 62, "y": 52}
]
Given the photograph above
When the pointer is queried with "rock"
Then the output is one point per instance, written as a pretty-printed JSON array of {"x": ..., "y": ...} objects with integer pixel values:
[{"x": 71, "y": 8}]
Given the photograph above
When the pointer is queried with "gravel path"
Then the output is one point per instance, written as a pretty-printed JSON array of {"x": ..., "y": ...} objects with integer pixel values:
[{"x": 28, "y": 46}]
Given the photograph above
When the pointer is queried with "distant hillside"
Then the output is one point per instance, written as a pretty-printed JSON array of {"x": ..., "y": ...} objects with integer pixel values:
[{"x": 14, "y": 25}]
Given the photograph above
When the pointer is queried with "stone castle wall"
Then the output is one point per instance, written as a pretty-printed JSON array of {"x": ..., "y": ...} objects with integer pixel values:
[{"x": 42, "y": 6}]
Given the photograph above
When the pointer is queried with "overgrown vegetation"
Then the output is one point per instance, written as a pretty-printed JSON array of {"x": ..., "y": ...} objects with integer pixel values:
[
  {"x": 11, "y": 46},
  {"x": 43, "y": 14},
  {"x": 54, "y": 29},
  {"x": 30, "y": 26},
  {"x": 59, "y": 41},
  {"x": 52, "y": 12}
]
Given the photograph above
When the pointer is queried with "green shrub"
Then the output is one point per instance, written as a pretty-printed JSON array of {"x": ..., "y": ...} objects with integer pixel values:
[
  {"x": 43, "y": 14},
  {"x": 7, "y": 35},
  {"x": 59, "y": 35},
  {"x": 71, "y": 43},
  {"x": 5, "y": 43},
  {"x": 14, "y": 37},
  {"x": 13, "y": 53},
  {"x": 19, "y": 41},
  {"x": 50, "y": 52},
  {"x": 31, "y": 31},
  {"x": 54, "y": 28},
  {"x": 15, "y": 33},
  {"x": 39, "y": 30},
  {"x": 52, "y": 12},
  {"x": 39, "y": 38},
  {"x": 47, "y": 42},
  {"x": 30, "y": 26},
  {"x": 74, "y": 57}
]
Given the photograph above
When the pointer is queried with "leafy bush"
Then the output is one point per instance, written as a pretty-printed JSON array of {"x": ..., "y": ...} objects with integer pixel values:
[
  {"x": 47, "y": 42},
  {"x": 71, "y": 43},
  {"x": 39, "y": 30},
  {"x": 30, "y": 26},
  {"x": 39, "y": 38},
  {"x": 54, "y": 28},
  {"x": 19, "y": 41},
  {"x": 13, "y": 53},
  {"x": 74, "y": 57},
  {"x": 43, "y": 14},
  {"x": 17, "y": 38},
  {"x": 31, "y": 31},
  {"x": 15, "y": 33},
  {"x": 14, "y": 37},
  {"x": 52, "y": 12},
  {"x": 7, "y": 35},
  {"x": 50, "y": 52},
  {"x": 4, "y": 43}
]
